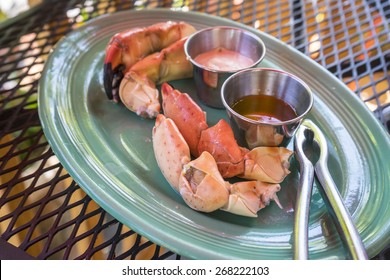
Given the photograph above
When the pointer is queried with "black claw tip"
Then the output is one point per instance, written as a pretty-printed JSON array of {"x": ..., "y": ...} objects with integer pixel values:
[
  {"x": 108, "y": 77},
  {"x": 112, "y": 80}
]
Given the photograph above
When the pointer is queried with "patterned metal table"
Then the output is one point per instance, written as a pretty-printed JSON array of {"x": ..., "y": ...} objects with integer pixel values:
[{"x": 44, "y": 214}]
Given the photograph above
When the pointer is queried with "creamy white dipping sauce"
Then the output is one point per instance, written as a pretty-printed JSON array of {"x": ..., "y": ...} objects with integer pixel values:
[{"x": 221, "y": 59}]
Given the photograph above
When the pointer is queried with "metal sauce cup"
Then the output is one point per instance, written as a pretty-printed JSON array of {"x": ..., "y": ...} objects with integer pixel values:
[
  {"x": 208, "y": 81},
  {"x": 265, "y": 81}
]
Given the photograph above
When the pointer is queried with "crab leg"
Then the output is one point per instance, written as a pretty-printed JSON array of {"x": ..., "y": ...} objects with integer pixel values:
[
  {"x": 266, "y": 164},
  {"x": 188, "y": 116},
  {"x": 170, "y": 149},
  {"x": 138, "y": 88},
  {"x": 128, "y": 47},
  {"x": 219, "y": 141}
]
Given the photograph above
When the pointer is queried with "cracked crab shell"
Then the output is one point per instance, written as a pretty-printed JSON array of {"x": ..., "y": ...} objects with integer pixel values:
[
  {"x": 170, "y": 149},
  {"x": 202, "y": 186},
  {"x": 267, "y": 164},
  {"x": 247, "y": 198}
]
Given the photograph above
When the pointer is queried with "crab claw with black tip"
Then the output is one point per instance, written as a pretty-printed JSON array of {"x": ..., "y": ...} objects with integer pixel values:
[{"x": 130, "y": 46}]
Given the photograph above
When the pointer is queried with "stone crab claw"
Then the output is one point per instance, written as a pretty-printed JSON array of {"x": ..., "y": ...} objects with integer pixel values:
[
  {"x": 187, "y": 115},
  {"x": 130, "y": 46},
  {"x": 170, "y": 149},
  {"x": 199, "y": 182},
  {"x": 219, "y": 141},
  {"x": 138, "y": 90},
  {"x": 202, "y": 186},
  {"x": 247, "y": 198},
  {"x": 267, "y": 164}
]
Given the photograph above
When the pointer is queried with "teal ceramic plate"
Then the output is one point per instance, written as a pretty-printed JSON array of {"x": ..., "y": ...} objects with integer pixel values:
[{"x": 108, "y": 151}]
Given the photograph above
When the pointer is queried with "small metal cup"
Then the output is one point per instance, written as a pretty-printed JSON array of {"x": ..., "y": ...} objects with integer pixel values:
[
  {"x": 208, "y": 81},
  {"x": 257, "y": 81}
]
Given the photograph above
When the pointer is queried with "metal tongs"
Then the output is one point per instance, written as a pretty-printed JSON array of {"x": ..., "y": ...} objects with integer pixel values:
[{"x": 309, "y": 134}]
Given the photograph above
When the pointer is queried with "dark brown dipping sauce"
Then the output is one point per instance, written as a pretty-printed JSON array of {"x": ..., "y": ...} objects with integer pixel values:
[{"x": 264, "y": 108}]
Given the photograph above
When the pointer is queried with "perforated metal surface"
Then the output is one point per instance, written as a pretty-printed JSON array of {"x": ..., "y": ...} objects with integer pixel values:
[{"x": 46, "y": 214}]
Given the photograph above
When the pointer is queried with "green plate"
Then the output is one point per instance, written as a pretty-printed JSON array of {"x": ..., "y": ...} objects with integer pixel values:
[{"x": 108, "y": 151}]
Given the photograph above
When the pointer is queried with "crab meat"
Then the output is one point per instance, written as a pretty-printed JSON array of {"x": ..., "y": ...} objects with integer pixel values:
[
  {"x": 247, "y": 198},
  {"x": 202, "y": 186},
  {"x": 170, "y": 149},
  {"x": 188, "y": 116}
]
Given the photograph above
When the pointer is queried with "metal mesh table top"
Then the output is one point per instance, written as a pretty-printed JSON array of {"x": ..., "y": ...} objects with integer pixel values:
[{"x": 45, "y": 214}]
